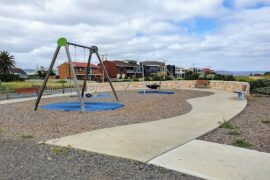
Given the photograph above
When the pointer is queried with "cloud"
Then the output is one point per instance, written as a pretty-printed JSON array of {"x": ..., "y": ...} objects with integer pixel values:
[{"x": 142, "y": 30}]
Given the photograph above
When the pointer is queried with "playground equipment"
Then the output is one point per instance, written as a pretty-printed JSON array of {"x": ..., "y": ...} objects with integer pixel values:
[{"x": 62, "y": 42}]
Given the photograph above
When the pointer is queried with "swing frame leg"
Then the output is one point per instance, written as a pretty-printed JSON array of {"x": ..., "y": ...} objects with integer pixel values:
[
  {"x": 86, "y": 73},
  {"x": 47, "y": 77},
  {"x": 75, "y": 78}
]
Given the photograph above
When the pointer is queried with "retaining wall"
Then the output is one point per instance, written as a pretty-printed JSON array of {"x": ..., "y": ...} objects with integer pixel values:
[{"x": 223, "y": 85}]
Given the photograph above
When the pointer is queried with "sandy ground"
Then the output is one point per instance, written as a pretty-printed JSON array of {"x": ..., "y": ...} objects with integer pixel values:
[{"x": 249, "y": 125}]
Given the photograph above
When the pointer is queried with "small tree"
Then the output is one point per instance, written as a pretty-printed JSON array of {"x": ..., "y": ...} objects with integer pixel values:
[{"x": 7, "y": 62}]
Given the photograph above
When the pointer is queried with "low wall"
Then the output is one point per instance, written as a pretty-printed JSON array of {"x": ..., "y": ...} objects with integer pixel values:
[{"x": 223, "y": 85}]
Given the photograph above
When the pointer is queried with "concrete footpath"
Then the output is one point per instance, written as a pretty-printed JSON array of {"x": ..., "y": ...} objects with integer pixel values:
[
  {"x": 216, "y": 161},
  {"x": 146, "y": 141}
]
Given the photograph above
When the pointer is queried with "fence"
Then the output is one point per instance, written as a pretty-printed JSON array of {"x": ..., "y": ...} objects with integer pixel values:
[{"x": 11, "y": 93}]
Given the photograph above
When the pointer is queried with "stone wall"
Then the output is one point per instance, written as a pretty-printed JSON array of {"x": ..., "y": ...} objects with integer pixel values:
[{"x": 223, "y": 85}]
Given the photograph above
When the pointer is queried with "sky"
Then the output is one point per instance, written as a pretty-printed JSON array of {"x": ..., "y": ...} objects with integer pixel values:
[{"x": 222, "y": 34}]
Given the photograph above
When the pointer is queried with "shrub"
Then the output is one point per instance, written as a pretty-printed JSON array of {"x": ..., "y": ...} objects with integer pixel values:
[
  {"x": 136, "y": 79},
  {"x": 147, "y": 79},
  {"x": 168, "y": 78},
  {"x": 10, "y": 77},
  {"x": 260, "y": 83},
  {"x": 191, "y": 76},
  {"x": 156, "y": 78},
  {"x": 263, "y": 90},
  {"x": 224, "y": 77}
]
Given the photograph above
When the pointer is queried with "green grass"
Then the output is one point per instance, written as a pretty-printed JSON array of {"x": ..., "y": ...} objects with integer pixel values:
[
  {"x": 241, "y": 143},
  {"x": 233, "y": 133},
  {"x": 1, "y": 130},
  {"x": 27, "y": 136},
  {"x": 28, "y": 84},
  {"x": 226, "y": 125},
  {"x": 244, "y": 79},
  {"x": 266, "y": 119},
  {"x": 57, "y": 150}
]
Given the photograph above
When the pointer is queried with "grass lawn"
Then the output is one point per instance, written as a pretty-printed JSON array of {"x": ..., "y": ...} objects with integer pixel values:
[{"x": 27, "y": 84}]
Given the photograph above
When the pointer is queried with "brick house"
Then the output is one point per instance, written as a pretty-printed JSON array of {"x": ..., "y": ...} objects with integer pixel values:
[
  {"x": 123, "y": 69},
  {"x": 95, "y": 74}
]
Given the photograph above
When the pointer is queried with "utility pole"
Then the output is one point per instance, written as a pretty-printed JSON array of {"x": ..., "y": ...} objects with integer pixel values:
[{"x": 104, "y": 58}]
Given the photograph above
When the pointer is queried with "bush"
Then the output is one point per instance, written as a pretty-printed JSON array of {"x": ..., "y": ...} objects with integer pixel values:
[
  {"x": 136, "y": 79},
  {"x": 10, "y": 77},
  {"x": 260, "y": 83},
  {"x": 224, "y": 77},
  {"x": 168, "y": 78},
  {"x": 156, "y": 78},
  {"x": 147, "y": 79},
  {"x": 262, "y": 90},
  {"x": 190, "y": 76}
]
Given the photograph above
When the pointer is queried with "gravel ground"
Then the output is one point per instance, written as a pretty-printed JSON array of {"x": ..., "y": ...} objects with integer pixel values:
[
  {"x": 22, "y": 157},
  {"x": 249, "y": 125},
  {"x": 25, "y": 159},
  {"x": 19, "y": 119}
]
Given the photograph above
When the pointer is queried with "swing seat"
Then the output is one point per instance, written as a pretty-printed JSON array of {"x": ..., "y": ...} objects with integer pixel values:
[
  {"x": 153, "y": 86},
  {"x": 88, "y": 95}
]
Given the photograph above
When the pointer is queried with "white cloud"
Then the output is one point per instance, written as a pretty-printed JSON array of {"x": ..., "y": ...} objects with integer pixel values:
[{"x": 142, "y": 30}]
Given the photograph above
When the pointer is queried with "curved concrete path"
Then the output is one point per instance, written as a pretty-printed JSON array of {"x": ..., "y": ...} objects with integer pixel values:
[
  {"x": 145, "y": 141},
  {"x": 216, "y": 161}
]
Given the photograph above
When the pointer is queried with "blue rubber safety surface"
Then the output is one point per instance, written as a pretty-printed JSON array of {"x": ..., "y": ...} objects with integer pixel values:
[
  {"x": 156, "y": 92},
  {"x": 75, "y": 106}
]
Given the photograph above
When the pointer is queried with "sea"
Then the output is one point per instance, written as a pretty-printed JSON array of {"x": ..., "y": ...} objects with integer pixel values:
[{"x": 240, "y": 73}]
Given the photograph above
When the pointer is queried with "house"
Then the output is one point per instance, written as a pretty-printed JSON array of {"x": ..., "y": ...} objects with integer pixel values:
[
  {"x": 123, "y": 69},
  {"x": 154, "y": 68},
  {"x": 208, "y": 71},
  {"x": 195, "y": 70},
  {"x": 171, "y": 70},
  {"x": 19, "y": 72},
  {"x": 180, "y": 72},
  {"x": 95, "y": 73}
]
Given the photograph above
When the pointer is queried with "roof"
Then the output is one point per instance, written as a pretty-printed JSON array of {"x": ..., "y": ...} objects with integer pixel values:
[
  {"x": 124, "y": 63},
  {"x": 83, "y": 64},
  {"x": 207, "y": 70},
  {"x": 18, "y": 71},
  {"x": 152, "y": 63}
]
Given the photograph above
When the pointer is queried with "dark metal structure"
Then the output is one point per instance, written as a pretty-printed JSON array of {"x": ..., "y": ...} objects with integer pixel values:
[{"x": 62, "y": 42}]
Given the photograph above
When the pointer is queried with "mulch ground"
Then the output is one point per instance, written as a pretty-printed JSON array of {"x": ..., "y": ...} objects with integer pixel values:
[
  {"x": 249, "y": 126},
  {"x": 19, "y": 119},
  {"x": 25, "y": 159},
  {"x": 22, "y": 157}
]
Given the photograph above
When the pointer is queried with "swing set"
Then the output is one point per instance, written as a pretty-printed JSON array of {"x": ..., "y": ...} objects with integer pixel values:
[{"x": 62, "y": 42}]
